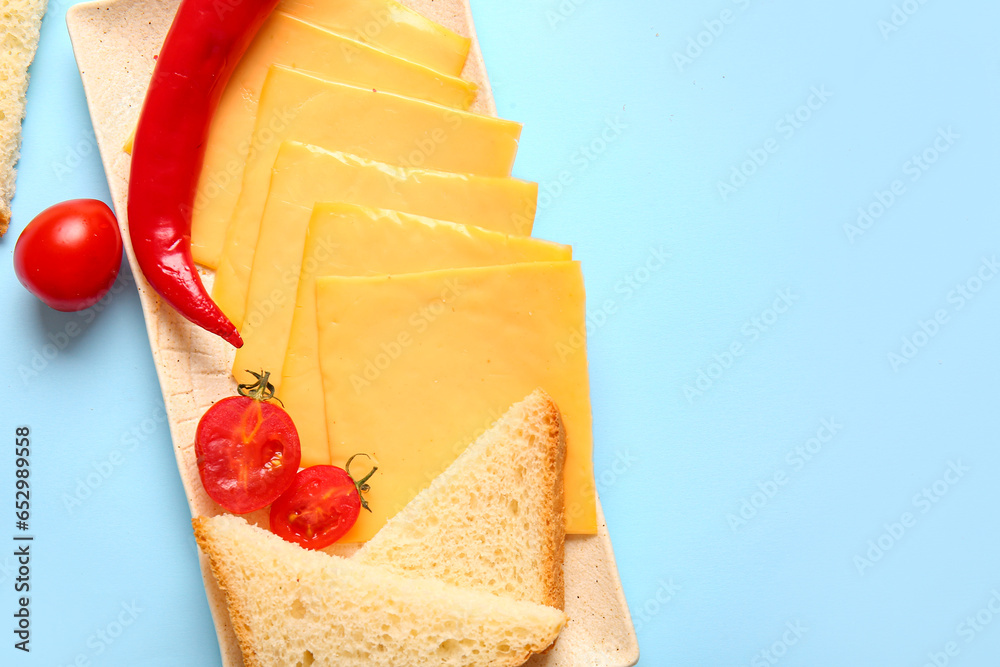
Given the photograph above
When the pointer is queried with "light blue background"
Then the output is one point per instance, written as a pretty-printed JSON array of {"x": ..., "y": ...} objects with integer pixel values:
[{"x": 673, "y": 470}]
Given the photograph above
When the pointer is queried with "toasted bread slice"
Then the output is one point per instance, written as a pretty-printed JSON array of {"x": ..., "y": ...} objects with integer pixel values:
[
  {"x": 493, "y": 521},
  {"x": 290, "y": 606},
  {"x": 20, "y": 22}
]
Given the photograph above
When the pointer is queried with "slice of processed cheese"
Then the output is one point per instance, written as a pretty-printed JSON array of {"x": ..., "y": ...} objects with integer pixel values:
[
  {"x": 380, "y": 126},
  {"x": 304, "y": 175},
  {"x": 347, "y": 240},
  {"x": 286, "y": 40},
  {"x": 416, "y": 365},
  {"x": 389, "y": 26}
]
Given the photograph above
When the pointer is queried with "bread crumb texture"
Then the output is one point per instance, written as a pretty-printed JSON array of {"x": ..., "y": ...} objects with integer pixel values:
[
  {"x": 292, "y": 607},
  {"x": 22, "y": 21}
]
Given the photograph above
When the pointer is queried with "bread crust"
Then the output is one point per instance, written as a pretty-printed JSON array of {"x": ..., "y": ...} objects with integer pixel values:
[
  {"x": 556, "y": 519},
  {"x": 239, "y": 617}
]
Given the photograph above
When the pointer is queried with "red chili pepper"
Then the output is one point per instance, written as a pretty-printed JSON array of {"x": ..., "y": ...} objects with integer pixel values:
[{"x": 204, "y": 45}]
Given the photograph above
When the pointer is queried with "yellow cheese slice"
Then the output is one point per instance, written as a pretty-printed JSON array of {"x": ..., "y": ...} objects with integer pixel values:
[
  {"x": 416, "y": 365},
  {"x": 286, "y": 40},
  {"x": 303, "y": 175},
  {"x": 389, "y": 26},
  {"x": 375, "y": 125},
  {"x": 347, "y": 240}
]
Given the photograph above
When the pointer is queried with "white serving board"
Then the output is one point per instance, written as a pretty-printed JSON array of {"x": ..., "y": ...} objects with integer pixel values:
[{"x": 115, "y": 43}]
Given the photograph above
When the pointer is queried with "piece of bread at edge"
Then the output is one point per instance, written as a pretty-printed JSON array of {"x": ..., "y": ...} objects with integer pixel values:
[
  {"x": 291, "y": 606},
  {"x": 20, "y": 21},
  {"x": 494, "y": 519}
]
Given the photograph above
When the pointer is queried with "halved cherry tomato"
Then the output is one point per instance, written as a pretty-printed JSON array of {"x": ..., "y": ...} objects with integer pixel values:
[
  {"x": 69, "y": 254},
  {"x": 320, "y": 506},
  {"x": 247, "y": 449}
]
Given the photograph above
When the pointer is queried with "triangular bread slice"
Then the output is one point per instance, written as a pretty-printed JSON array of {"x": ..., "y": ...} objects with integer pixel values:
[
  {"x": 493, "y": 521},
  {"x": 292, "y": 607}
]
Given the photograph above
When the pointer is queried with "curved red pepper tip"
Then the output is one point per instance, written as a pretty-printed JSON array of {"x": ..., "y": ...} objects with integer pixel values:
[
  {"x": 204, "y": 45},
  {"x": 233, "y": 338}
]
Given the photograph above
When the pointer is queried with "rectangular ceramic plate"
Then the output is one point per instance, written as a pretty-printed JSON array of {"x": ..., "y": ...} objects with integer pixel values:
[{"x": 115, "y": 43}]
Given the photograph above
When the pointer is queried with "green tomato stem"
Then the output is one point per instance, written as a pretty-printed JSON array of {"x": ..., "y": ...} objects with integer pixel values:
[
  {"x": 261, "y": 390},
  {"x": 362, "y": 484}
]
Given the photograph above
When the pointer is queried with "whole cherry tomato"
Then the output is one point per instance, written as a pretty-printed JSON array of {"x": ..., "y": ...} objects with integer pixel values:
[
  {"x": 247, "y": 449},
  {"x": 320, "y": 506},
  {"x": 69, "y": 255}
]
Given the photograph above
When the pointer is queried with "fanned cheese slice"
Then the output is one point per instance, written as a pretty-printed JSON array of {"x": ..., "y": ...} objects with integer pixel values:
[
  {"x": 374, "y": 125},
  {"x": 416, "y": 365},
  {"x": 346, "y": 240},
  {"x": 304, "y": 175},
  {"x": 286, "y": 40},
  {"x": 390, "y": 26}
]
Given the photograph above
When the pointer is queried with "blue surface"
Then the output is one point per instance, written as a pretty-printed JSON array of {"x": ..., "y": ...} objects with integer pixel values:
[{"x": 631, "y": 143}]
